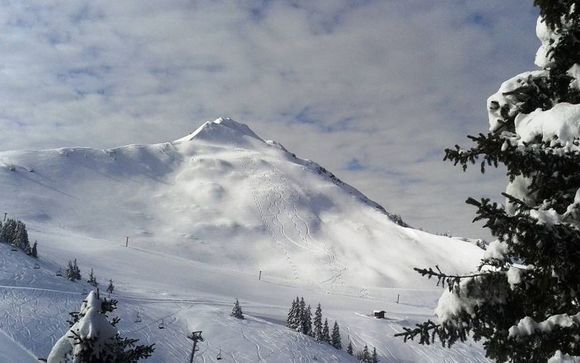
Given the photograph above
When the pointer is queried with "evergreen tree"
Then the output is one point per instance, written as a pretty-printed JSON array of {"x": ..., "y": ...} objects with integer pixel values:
[
  {"x": 92, "y": 279},
  {"x": 72, "y": 271},
  {"x": 20, "y": 238},
  {"x": 524, "y": 299},
  {"x": 111, "y": 287},
  {"x": 374, "y": 357},
  {"x": 364, "y": 356},
  {"x": 292, "y": 321},
  {"x": 325, "y": 332},
  {"x": 335, "y": 338},
  {"x": 237, "y": 310},
  {"x": 76, "y": 270},
  {"x": 317, "y": 330},
  {"x": 307, "y": 321},
  {"x": 349, "y": 349},
  {"x": 34, "y": 250},
  {"x": 93, "y": 338},
  {"x": 301, "y": 314},
  {"x": 8, "y": 231}
]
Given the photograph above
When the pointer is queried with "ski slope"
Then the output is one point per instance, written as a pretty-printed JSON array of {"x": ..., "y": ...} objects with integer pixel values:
[{"x": 204, "y": 214}]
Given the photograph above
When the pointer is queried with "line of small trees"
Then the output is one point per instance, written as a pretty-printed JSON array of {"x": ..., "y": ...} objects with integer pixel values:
[
  {"x": 300, "y": 319},
  {"x": 14, "y": 233},
  {"x": 364, "y": 356},
  {"x": 73, "y": 273}
]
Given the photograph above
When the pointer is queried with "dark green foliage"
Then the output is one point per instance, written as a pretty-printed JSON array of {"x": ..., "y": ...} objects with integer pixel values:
[
  {"x": 237, "y": 311},
  {"x": 335, "y": 339},
  {"x": 72, "y": 271},
  {"x": 550, "y": 283},
  {"x": 121, "y": 350},
  {"x": 554, "y": 10}
]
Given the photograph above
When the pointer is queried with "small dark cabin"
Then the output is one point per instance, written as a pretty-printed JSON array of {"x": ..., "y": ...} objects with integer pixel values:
[{"x": 379, "y": 314}]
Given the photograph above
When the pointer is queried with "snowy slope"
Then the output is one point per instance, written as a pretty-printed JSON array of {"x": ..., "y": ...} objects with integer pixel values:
[
  {"x": 11, "y": 351},
  {"x": 204, "y": 214},
  {"x": 223, "y": 196}
]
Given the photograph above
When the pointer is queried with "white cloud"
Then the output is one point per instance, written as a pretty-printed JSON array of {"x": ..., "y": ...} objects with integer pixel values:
[{"x": 390, "y": 83}]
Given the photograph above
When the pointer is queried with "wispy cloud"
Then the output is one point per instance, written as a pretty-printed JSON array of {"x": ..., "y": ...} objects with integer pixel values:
[{"x": 383, "y": 84}]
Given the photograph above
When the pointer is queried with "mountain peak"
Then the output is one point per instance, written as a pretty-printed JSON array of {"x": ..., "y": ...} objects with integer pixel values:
[{"x": 223, "y": 130}]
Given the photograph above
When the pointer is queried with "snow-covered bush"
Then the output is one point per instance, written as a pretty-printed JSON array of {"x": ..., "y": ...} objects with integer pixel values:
[
  {"x": 93, "y": 338},
  {"x": 524, "y": 299},
  {"x": 237, "y": 310}
]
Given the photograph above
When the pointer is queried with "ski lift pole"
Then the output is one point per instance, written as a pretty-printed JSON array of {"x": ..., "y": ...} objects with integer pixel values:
[{"x": 196, "y": 337}]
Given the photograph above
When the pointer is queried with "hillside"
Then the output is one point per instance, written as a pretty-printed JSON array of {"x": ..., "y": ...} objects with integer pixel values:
[
  {"x": 225, "y": 197},
  {"x": 204, "y": 214}
]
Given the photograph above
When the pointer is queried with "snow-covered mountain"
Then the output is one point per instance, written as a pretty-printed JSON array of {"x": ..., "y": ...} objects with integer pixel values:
[
  {"x": 223, "y": 196},
  {"x": 204, "y": 214}
]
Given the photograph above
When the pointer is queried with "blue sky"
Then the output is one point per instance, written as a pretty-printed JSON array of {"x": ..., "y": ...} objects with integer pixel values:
[{"x": 373, "y": 90}]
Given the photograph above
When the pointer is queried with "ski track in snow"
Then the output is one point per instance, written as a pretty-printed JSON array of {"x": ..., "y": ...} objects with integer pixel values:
[{"x": 285, "y": 225}]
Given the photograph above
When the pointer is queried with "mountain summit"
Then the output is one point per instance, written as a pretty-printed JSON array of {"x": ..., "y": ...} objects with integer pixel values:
[
  {"x": 223, "y": 130},
  {"x": 221, "y": 196}
]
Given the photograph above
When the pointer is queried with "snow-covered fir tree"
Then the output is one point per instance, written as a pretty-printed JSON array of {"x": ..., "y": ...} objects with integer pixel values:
[
  {"x": 111, "y": 287},
  {"x": 335, "y": 340},
  {"x": 293, "y": 320},
  {"x": 326, "y": 332},
  {"x": 93, "y": 337},
  {"x": 237, "y": 310},
  {"x": 524, "y": 300},
  {"x": 317, "y": 324}
]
